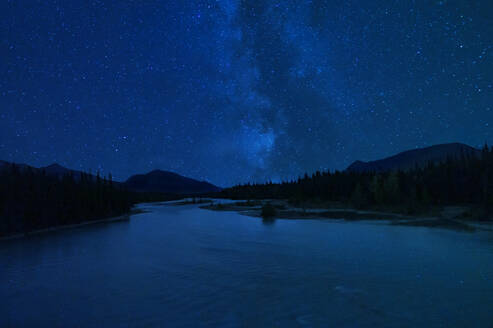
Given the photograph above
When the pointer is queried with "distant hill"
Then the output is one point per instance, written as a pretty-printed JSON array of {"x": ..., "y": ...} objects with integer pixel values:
[
  {"x": 167, "y": 182},
  {"x": 56, "y": 169},
  {"x": 50, "y": 170},
  {"x": 155, "y": 181},
  {"x": 60, "y": 171},
  {"x": 409, "y": 159},
  {"x": 5, "y": 165}
]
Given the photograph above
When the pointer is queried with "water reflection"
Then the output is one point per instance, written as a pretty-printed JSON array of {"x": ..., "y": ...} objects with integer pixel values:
[{"x": 268, "y": 221}]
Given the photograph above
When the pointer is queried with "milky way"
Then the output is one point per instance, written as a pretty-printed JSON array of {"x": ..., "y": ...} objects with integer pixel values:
[{"x": 236, "y": 91}]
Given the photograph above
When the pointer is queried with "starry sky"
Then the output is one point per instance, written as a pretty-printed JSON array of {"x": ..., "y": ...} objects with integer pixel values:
[{"x": 232, "y": 91}]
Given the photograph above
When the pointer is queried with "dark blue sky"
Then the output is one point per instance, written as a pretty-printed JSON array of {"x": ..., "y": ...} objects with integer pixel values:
[{"x": 235, "y": 91}]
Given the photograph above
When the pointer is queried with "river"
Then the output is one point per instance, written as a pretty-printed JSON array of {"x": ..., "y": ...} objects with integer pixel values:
[{"x": 182, "y": 266}]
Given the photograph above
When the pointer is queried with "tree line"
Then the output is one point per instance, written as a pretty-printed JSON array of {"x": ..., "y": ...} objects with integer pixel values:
[
  {"x": 32, "y": 200},
  {"x": 463, "y": 179}
]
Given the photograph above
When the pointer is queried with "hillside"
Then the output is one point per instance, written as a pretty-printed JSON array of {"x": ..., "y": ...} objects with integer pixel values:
[
  {"x": 420, "y": 157},
  {"x": 167, "y": 182}
]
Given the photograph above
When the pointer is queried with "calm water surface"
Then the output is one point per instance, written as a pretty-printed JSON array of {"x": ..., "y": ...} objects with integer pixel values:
[{"x": 180, "y": 266}]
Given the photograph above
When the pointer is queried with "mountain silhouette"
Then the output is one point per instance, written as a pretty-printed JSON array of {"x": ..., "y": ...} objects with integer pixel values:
[
  {"x": 416, "y": 157},
  {"x": 168, "y": 182},
  {"x": 50, "y": 170},
  {"x": 155, "y": 181},
  {"x": 60, "y": 171},
  {"x": 6, "y": 165}
]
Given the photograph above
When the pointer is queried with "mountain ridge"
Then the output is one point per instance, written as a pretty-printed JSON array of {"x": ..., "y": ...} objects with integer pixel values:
[
  {"x": 166, "y": 181},
  {"x": 153, "y": 181},
  {"x": 410, "y": 158}
]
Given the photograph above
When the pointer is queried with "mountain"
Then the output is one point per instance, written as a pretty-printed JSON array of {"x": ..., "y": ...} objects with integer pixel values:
[
  {"x": 167, "y": 182},
  {"x": 155, "y": 181},
  {"x": 6, "y": 165},
  {"x": 60, "y": 171},
  {"x": 50, "y": 170},
  {"x": 409, "y": 159},
  {"x": 57, "y": 170}
]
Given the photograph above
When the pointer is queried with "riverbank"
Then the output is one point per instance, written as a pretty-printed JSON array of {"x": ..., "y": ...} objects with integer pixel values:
[
  {"x": 284, "y": 210},
  {"x": 124, "y": 217},
  {"x": 449, "y": 217}
]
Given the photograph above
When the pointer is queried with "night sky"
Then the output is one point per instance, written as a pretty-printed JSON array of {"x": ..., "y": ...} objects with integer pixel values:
[{"x": 235, "y": 91}]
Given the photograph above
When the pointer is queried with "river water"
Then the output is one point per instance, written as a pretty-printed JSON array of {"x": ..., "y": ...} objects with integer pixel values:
[{"x": 181, "y": 266}]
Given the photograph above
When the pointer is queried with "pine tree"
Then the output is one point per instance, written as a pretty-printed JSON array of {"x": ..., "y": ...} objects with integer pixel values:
[{"x": 358, "y": 197}]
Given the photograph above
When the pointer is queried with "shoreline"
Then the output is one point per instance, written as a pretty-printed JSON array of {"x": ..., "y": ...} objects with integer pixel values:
[
  {"x": 286, "y": 211},
  {"x": 123, "y": 217},
  {"x": 448, "y": 217}
]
